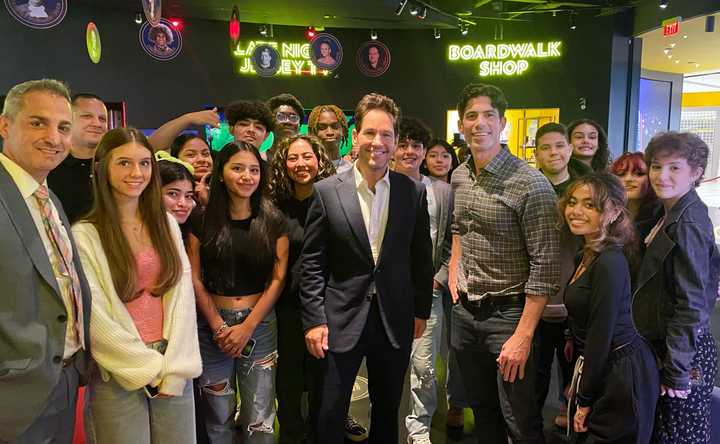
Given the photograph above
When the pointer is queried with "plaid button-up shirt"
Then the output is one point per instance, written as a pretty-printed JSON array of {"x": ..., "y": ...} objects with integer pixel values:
[{"x": 506, "y": 219}]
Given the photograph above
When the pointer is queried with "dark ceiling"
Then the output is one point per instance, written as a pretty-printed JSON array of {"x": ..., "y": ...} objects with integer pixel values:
[{"x": 371, "y": 13}]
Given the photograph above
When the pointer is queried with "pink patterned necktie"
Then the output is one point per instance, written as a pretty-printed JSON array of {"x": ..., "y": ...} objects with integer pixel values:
[{"x": 64, "y": 253}]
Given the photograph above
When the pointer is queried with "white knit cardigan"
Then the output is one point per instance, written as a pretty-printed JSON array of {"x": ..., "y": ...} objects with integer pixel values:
[{"x": 116, "y": 344}]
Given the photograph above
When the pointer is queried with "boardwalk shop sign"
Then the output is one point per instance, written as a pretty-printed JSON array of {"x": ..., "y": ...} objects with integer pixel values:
[{"x": 504, "y": 59}]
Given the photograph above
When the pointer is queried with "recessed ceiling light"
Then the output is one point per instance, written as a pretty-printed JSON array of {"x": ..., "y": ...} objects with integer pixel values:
[
  {"x": 666, "y": 51},
  {"x": 684, "y": 36},
  {"x": 672, "y": 45},
  {"x": 669, "y": 56},
  {"x": 677, "y": 61}
]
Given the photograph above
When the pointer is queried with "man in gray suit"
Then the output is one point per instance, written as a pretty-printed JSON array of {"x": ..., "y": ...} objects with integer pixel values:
[
  {"x": 409, "y": 155},
  {"x": 45, "y": 307}
]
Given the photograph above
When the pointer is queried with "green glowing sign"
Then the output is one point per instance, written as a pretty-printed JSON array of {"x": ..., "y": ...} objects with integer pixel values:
[
  {"x": 504, "y": 59},
  {"x": 294, "y": 58}
]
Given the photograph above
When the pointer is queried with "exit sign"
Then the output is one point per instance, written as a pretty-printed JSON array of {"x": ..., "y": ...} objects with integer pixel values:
[{"x": 671, "y": 26}]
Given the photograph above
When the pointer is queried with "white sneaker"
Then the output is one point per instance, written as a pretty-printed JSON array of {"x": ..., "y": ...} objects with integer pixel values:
[{"x": 422, "y": 439}]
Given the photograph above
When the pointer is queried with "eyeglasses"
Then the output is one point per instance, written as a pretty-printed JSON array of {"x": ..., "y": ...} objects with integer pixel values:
[{"x": 287, "y": 117}]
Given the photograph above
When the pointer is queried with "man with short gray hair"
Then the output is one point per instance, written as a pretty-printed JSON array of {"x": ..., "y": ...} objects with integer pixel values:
[{"x": 45, "y": 308}]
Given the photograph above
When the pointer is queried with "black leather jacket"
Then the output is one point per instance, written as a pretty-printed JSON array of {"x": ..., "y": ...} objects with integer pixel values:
[{"x": 676, "y": 287}]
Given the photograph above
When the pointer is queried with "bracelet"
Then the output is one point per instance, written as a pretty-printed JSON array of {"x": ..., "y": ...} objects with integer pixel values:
[{"x": 220, "y": 329}]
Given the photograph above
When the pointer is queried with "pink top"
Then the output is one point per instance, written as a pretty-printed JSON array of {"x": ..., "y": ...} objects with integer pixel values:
[{"x": 147, "y": 310}]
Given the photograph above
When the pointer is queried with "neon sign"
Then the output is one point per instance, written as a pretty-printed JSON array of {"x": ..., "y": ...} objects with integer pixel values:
[
  {"x": 504, "y": 59},
  {"x": 294, "y": 58}
]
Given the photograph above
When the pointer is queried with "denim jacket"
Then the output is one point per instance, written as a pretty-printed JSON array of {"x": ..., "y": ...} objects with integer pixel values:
[{"x": 676, "y": 287}]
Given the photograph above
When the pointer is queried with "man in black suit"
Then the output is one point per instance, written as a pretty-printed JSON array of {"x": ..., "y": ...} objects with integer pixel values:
[
  {"x": 367, "y": 276},
  {"x": 45, "y": 303}
]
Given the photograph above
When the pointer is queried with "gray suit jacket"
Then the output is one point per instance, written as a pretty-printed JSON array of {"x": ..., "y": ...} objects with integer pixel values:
[
  {"x": 443, "y": 242},
  {"x": 32, "y": 314}
]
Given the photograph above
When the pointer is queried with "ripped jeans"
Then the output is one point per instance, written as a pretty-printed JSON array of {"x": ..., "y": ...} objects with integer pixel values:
[
  {"x": 423, "y": 382},
  {"x": 255, "y": 377}
]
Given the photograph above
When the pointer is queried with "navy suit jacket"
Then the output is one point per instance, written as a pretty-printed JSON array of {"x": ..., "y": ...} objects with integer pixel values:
[
  {"x": 32, "y": 314},
  {"x": 338, "y": 267}
]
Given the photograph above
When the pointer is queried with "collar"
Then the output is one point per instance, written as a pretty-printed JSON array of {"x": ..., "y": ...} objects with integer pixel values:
[
  {"x": 360, "y": 180},
  {"x": 24, "y": 181},
  {"x": 495, "y": 165},
  {"x": 681, "y": 205}
]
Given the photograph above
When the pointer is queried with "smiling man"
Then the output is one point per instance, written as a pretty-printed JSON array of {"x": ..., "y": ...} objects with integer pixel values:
[
  {"x": 45, "y": 307},
  {"x": 366, "y": 285},
  {"x": 72, "y": 179},
  {"x": 504, "y": 266}
]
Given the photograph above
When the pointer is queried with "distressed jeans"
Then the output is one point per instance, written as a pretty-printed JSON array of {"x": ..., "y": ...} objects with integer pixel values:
[
  {"x": 255, "y": 377},
  {"x": 423, "y": 383}
]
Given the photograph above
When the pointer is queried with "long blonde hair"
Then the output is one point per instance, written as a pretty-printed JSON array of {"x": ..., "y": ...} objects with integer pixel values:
[{"x": 104, "y": 216}]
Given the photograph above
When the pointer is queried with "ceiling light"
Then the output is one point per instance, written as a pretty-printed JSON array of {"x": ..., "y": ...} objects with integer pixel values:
[
  {"x": 414, "y": 10},
  {"x": 677, "y": 61},
  {"x": 666, "y": 51},
  {"x": 423, "y": 13},
  {"x": 262, "y": 29},
  {"x": 573, "y": 25},
  {"x": 328, "y": 16},
  {"x": 138, "y": 18},
  {"x": 436, "y": 33},
  {"x": 373, "y": 34},
  {"x": 663, "y": 4},
  {"x": 669, "y": 56},
  {"x": 684, "y": 36},
  {"x": 672, "y": 45},
  {"x": 697, "y": 65},
  {"x": 401, "y": 7},
  {"x": 463, "y": 29}
]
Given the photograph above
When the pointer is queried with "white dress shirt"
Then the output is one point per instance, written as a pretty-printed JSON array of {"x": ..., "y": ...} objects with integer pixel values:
[
  {"x": 432, "y": 208},
  {"x": 374, "y": 207},
  {"x": 27, "y": 185}
]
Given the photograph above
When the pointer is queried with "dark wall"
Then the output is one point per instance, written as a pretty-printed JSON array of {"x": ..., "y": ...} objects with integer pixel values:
[
  {"x": 649, "y": 16},
  {"x": 420, "y": 78}
]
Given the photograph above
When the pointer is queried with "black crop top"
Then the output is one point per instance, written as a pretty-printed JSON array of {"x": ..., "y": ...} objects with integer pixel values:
[{"x": 245, "y": 277}]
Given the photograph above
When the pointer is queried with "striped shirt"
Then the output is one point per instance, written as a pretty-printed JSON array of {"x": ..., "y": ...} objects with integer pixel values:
[{"x": 506, "y": 219}]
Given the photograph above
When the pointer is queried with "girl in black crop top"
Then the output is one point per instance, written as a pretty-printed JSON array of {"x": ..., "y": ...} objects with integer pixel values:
[
  {"x": 238, "y": 250},
  {"x": 615, "y": 385}
]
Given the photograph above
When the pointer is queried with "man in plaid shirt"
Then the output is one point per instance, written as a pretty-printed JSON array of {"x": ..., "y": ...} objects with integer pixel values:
[{"x": 504, "y": 265}]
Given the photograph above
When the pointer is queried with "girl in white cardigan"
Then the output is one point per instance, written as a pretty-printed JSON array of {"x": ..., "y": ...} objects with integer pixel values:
[{"x": 143, "y": 323}]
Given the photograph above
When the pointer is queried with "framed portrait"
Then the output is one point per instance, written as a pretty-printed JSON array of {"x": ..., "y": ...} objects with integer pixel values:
[
  {"x": 326, "y": 51},
  {"x": 373, "y": 58},
  {"x": 153, "y": 11},
  {"x": 266, "y": 60},
  {"x": 162, "y": 42},
  {"x": 38, "y": 14}
]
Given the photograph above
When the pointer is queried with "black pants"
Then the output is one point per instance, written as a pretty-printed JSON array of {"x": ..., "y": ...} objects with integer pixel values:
[
  {"x": 551, "y": 343},
  {"x": 386, "y": 368},
  {"x": 624, "y": 410},
  {"x": 297, "y": 372},
  {"x": 501, "y": 408}
]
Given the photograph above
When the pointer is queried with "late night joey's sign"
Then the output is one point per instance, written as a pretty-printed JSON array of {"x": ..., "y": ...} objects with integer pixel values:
[
  {"x": 504, "y": 59},
  {"x": 294, "y": 58}
]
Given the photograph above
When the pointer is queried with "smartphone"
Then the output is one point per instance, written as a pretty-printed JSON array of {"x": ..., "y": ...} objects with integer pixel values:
[{"x": 248, "y": 349}]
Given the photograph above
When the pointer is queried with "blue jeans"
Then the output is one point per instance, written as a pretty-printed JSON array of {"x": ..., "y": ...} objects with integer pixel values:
[
  {"x": 255, "y": 377},
  {"x": 119, "y": 416},
  {"x": 454, "y": 385},
  {"x": 423, "y": 384}
]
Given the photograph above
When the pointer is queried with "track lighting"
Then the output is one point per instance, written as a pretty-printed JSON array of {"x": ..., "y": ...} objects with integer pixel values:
[
  {"x": 663, "y": 4},
  {"x": 373, "y": 34},
  {"x": 401, "y": 7},
  {"x": 436, "y": 33},
  {"x": 138, "y": 18}
]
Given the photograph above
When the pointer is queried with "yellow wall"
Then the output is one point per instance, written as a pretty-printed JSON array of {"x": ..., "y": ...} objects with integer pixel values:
[{"x": 700, "y": 99}]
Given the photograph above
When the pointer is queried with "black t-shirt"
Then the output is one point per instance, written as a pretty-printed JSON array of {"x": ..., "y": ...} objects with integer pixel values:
[
  {"x": 295, "y": 212},
  {"x": 242, "y": 275},
  {"x": 72, "y": 182}
]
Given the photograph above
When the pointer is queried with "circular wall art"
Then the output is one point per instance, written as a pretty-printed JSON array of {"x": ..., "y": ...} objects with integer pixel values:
[
  {"x": 161, "y": 42},
  {"x": 153, "y": 11},
  {"x": 38, "y": 14},
  {"x": 92, "y": 41},
  {"x": 326, "y": 51},
  {"x": 266, "y": 60},
  {"x": 373, "y": 58}
]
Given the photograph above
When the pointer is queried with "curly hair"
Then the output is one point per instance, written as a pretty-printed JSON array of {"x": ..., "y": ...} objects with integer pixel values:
[
  {"x": 315, "y": 116},
  {"x": 686, "y": 145},
  {"x": 415, "y": 129},
  {"x": 246, "y": 109},
  {"x": 601, "y": 159},
  {"x": 608, "y": 198},
  {"x": 286, "y": 99},
  {"x": 279, "y": 185}
]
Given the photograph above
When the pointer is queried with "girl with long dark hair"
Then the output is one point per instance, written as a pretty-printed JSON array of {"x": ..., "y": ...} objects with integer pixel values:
[
  {"x": 590, "y": 143},
  {"x": 440, "y": 160},
  {"x": 614, "y": 391},
  {"x": 238, "y": 249},
  {"x": 143, "y": 328}
]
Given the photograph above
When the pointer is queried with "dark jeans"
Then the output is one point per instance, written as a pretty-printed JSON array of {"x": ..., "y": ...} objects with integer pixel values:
[
  {"x": 386, "y": 368},
  {"x": 501, "y": 408},
  {"x": 550, "y": 338},
  {"x": 297, "y": 371}
]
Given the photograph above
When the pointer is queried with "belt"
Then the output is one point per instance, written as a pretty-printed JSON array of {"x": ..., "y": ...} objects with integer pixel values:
[{"x": 496, "y": 301}]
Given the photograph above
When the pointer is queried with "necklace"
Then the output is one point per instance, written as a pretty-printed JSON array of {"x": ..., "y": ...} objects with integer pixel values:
[{"x": 586, "y": 259}]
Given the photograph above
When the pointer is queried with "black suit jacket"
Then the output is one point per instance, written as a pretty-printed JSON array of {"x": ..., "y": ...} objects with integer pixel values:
[
  {"x": 338, "y": 267},
  {"x": 32, "y": 314}
]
